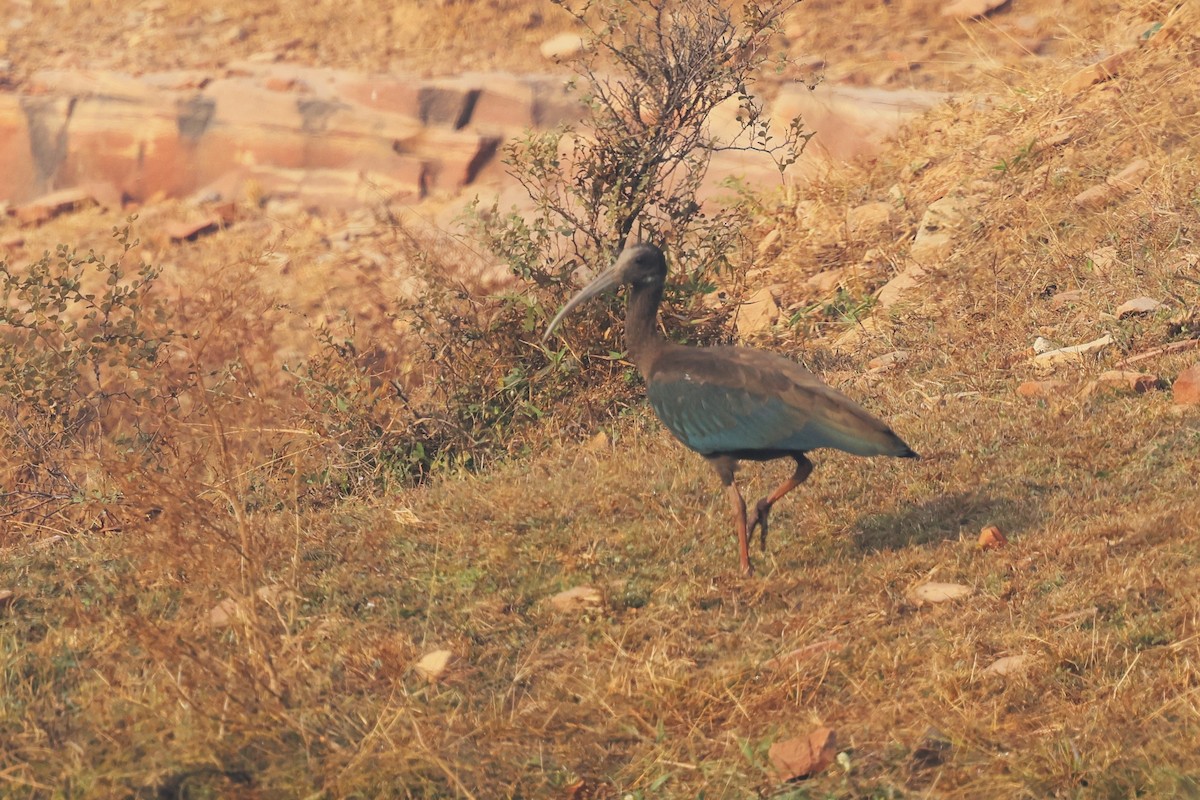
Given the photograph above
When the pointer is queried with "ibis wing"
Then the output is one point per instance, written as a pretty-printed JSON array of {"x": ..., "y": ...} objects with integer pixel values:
[
  {"x": 718, "y": 419},
  {"x": 723, "y": 400}
]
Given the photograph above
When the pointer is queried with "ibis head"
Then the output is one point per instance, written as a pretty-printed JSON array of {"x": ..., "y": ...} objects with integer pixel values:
[{"x": 641, "y": 266}]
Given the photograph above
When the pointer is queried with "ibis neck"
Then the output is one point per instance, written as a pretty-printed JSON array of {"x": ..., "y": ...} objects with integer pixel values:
[{"x": 641, "y": 333}]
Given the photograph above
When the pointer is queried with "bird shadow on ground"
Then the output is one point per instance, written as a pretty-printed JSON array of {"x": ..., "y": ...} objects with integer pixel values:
[{"x": 944, "y": 518}]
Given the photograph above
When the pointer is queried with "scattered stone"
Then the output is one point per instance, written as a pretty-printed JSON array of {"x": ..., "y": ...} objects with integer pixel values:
[
  {"x": 1094, "y": 198},
  {"x": 991, "y": 538},
  {"x": 970, "y": 9},
  {"x": 770, "y": 243},
  {"x": 1103, "y": 70},
  {"x": 825, "y": 282},
  {"x": 931, "y": 246},
  {"x": 934, "y": 592},
  {"x": 193, "y": 230},
  {"x": 1102, "y": 258},
  {"x": 1043, "y": 390},
  {"x": 49, "y": 206},
  {"x": 1064, "y": 299},
  {"x": 1138, "y": 305},
  {"x": 1008, "y": 665},
  {"x": 890, "y": 292},
  {"x": 915, "y": 167},
  {"x": 1059, "y": 133},
  {"x": 265, "y": 57},
  {"x": 234, "y": 35},
  {"x": 863, "y": 331},
  {"x": 223, "y": 613},
  {"x": 887, "y": 360},
  {"x": 1065, "y": 355},
  {"x": 226, "y": 211},
  {"x": 1186, "y": 389},
  {"x": 874, "y": 260},
  {"x": 934, "y": 239},
  {"x": 563, "y": 47},
  {"x": 803, "y": 756},
  {"x": 577, "y": 598},
  {"x": 1139, "y": 382},
  {"x": 869, "y": 219},
  {"x": 1115, "y": 187},
  {"x": 7, "y": 597},
  {"x": 1044, "y": 345},
  {"x": 432, "y": 666},
  {"x": 1132, "y": 176},
  {"x": 757, "y": 314}
]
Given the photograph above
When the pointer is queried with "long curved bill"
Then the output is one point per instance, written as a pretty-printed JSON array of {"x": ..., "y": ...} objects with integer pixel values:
[{"x": 606, "y": 281}]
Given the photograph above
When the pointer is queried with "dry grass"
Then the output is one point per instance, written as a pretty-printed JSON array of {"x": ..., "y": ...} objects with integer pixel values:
[
  {"x": 368, "y": 35},
  {"x": 115, "y": 682}
]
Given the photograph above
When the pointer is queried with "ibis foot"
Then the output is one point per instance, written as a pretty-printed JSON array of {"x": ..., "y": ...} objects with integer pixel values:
[
  {"x": 762, "y": 508},
  {"x": 759, "y": 520}
]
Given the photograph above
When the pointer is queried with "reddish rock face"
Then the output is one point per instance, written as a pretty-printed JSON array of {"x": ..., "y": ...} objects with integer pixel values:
[
  {"x": 177, "y": 134},
  {"x": 448, "y": 103},
  {"x": 394, "y": 96},
  {"x": 504, "y": 105},
  {"x": 18, "y": 178},
  {"x": 290, "y": 129}
]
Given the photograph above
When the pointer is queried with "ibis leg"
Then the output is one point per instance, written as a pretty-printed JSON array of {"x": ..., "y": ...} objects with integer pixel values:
[
  {"x": 725, "y": 467},
  {"x": 804, "y": 468},
  {"x": 739, "y": 522}
]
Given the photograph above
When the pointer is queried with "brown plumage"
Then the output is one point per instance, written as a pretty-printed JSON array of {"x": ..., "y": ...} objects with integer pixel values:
[{"x": 733, "y": 403}]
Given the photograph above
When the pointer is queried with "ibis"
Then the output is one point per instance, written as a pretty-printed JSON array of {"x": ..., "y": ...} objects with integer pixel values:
[{"x": 733, "y": 403}]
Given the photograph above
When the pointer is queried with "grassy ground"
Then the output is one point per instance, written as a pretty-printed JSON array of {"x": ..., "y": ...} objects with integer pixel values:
[{"x": 233, "y": 636}]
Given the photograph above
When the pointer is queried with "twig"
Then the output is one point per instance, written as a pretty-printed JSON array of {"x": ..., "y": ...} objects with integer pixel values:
[{"x": 1173, "y": 347}]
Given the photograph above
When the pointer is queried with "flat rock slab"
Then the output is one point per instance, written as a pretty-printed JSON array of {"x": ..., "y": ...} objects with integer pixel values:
[
  {"x": 170, "y": 135},
  {"x": 179, "y": 133}
]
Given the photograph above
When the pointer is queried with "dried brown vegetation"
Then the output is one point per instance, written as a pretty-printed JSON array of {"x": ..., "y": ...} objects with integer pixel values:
[{"x": 248, "y": 620}]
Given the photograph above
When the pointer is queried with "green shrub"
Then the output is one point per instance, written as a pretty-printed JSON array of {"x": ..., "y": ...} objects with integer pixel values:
[
  {"x": 631, "y": 170},
  {"x": 81, "y": 341}
]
